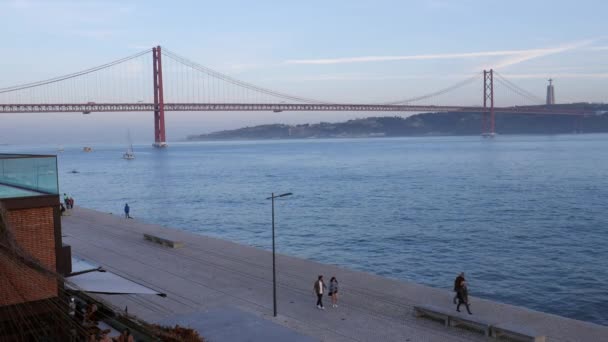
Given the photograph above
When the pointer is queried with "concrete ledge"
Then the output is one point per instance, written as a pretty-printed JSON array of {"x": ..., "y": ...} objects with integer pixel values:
[
  {"x": 453, "y": 319},
  {"x": 513, "y": 332},
  {"x": 433, "y": 312},
  {"x": 163, "y": 241},
  {"x": 516, "y": 332},
  {"x": 472, "y": 322}
]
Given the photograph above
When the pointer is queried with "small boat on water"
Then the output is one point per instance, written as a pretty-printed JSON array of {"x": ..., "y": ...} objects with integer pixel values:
[
  {"x": 60, "y": 148},
  {"x": 129, "y": 155},
  {"x": 87, "y": 149}
]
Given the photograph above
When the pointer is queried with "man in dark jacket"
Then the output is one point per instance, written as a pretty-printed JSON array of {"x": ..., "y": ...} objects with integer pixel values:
[
  {"x": 319, "y": 288},
  {"x": 457, "y": 282},
  {"x": 463, "y": 297}
]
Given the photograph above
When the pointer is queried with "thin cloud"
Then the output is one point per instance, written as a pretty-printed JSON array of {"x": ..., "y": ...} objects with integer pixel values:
[
  {"x": 515, "y": 56},
  {"x": 538, "y": 53},
  {"x": 366, "y": 77},
  {"x": 241, "y": 67},
  {"x": 600, "y": 75},
  {"x": 403, "y": 58}
]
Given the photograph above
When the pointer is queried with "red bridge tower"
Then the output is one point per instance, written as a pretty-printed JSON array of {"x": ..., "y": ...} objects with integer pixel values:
[
  {"x": 159, "y": 103},
  {"x": 488, "y": 94}
]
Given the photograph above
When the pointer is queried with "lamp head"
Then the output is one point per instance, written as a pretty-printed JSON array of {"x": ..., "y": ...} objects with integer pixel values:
[{"x": 281, "y": 195}]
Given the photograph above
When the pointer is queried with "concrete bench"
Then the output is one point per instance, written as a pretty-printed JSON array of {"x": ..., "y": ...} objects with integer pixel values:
[
  {"x": 433, "y": 312},
  {"x": 163, "y": 241},
  {"x": 472, "y": 321},
  {"x": 453, "y": 318},
  {"x": 516, "y": 332}
]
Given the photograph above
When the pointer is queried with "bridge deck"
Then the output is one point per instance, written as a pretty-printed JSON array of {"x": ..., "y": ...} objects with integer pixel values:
[
  {"x": 211, "y": 274},
  {"x": 88, "y": 108}
]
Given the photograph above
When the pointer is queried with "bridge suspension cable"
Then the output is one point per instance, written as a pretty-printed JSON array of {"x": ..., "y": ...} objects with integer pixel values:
[
  {"x": 72, "y": 75},
  {"x": 210, "y": 85},
  {"x": 518, "y": 90},
  {"x": 223, "y": 77},
  {"x": 443, "y": 91}
]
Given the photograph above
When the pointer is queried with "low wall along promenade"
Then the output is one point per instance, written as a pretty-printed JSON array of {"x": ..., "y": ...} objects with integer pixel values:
[{"x": 207, "y": 275}]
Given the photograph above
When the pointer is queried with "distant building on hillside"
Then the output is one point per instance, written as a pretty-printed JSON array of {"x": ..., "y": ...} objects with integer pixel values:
[{"x": 550, "y": 93}]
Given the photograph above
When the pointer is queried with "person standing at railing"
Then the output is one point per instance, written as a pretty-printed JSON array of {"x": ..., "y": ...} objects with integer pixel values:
[{"x": 127, "y": 209}]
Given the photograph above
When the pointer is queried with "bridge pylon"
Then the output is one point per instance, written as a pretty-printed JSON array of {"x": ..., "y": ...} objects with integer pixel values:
[
  {"x": 159, "y": 103},
  {"x": 487, "y": 128}
]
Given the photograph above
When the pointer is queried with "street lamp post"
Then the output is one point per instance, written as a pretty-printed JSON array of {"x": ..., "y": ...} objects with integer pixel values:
[{"x": 274, "y": 273}]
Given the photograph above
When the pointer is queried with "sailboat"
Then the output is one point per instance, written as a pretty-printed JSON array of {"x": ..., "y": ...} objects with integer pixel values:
[{"x": 129, "y": 155}]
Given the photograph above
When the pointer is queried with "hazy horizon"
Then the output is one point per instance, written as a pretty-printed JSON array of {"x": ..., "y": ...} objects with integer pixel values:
[{"x": 108, "y": 128}]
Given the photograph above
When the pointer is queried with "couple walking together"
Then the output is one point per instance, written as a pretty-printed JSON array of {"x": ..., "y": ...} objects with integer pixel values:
[
  {"x": 462, "y": 293},
  {"x": 319, "y": 289}
]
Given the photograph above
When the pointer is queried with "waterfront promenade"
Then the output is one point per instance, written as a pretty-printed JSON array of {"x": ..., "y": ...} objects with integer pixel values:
[{"x": 209, "y": 275}]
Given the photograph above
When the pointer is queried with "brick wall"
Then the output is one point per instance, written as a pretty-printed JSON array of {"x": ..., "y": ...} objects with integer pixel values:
[{"x": 35, "y": 232}]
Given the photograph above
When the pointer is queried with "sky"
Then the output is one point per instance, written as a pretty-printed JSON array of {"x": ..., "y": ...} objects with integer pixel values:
[{"x": 347, "y": 51}]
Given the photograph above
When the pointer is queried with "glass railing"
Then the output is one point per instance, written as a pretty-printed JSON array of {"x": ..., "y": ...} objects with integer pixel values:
[
  {"x": 8, "y": 191},
  {"x": 31, "y": 172}
]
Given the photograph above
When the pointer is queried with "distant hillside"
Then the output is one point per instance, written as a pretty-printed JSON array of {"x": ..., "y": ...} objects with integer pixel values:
[{"x": 456, "y": 123}]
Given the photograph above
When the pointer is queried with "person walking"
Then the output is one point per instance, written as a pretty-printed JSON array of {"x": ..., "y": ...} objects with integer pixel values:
[
  {"x": 318, "y": 288},
  {"x": 66, "y": 200},
  {"x": 333, "y": 291},
  {"x": 459, "y": 279},
  {"x": 463, "y": 297},
  {"x": 127, "y": 209}
]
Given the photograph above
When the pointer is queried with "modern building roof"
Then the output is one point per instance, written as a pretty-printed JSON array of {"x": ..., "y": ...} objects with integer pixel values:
[
  {"x": 24, "y": 155},
  {"x": 27, "y": 175}
]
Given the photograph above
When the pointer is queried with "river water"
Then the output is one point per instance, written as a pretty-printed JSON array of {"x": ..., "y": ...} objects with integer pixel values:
[{"x": 524, "y": 216}]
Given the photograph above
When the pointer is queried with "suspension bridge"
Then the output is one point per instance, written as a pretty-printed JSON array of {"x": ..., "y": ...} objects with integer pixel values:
[{"x": 179, "y": 84}]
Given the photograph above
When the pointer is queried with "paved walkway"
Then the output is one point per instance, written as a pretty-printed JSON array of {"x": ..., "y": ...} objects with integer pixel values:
[
  {"x": 234, "y": 325},
  {"x": 209, "y": 274}
]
